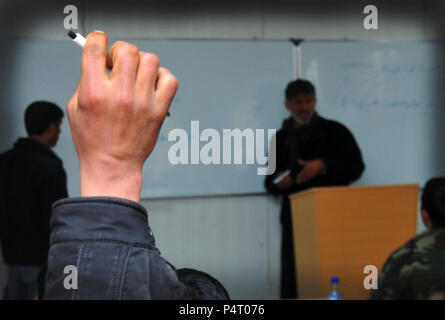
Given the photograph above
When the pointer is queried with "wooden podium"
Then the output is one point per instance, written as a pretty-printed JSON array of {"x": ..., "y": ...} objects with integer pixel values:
[{"x": 340, "y": 230}]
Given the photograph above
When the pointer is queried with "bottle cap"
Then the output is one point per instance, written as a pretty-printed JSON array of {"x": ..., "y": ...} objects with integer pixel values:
[{"x": 334, "y": 280}]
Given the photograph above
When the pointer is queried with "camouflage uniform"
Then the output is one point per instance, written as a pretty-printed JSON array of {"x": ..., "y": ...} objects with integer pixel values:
[{"x": 416, "y": 270}]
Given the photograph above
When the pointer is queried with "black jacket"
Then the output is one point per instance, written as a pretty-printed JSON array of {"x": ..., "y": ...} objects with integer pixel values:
[
  {"x": 322, "y": 139},
  {"x": 104, "y": 248},
  {"x": 31, "y": 179}
]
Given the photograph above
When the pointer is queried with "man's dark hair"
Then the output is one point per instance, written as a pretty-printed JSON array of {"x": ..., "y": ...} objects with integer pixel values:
[
  {"x": 433, "y": 200},
  {"x": 40, "y": 115},
  {"x": 202, "y": 285},
  {"x": 299, "y": 86}
]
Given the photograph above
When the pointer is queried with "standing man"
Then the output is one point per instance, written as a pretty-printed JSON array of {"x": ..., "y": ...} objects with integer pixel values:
[
  {"x": 31, "y": 179},
  {"x": 317, "y": 152}
]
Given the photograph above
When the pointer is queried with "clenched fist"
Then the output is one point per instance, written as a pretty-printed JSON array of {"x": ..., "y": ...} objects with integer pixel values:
[{"x": 115, "y": 119}]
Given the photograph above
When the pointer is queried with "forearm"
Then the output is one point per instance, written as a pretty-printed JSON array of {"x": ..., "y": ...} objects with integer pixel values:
[{"x": 343, "y": 171}]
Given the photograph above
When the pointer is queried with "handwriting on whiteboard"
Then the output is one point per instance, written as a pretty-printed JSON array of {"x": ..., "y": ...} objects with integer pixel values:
[
  {"x": 389, "y": 68},
  {"x": 369, "y": 104}
]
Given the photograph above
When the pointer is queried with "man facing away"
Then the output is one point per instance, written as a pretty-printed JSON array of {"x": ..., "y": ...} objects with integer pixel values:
[
  {"x": 31, "y": 179},
  {"x": 416, "y": 270},
  {"x": 317, "y": 152}
]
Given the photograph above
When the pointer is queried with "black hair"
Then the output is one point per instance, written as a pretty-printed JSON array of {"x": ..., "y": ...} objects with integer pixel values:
[
  {"x": 202, "y": 286},
  {"x": 299, "y": 86},
  {"x": 40, "y": 115},
  {"x": 433, "y": 200}
]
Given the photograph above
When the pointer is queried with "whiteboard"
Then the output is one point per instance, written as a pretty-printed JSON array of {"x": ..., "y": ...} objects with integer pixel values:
[
  {"x": 222, "y": 84},
  {"x": 389, "y": 96},
  {"x": 385, "y": 93}
]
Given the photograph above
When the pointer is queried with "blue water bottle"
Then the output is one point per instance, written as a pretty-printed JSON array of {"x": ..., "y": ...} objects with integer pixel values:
[{"x": 334, "y": 292}]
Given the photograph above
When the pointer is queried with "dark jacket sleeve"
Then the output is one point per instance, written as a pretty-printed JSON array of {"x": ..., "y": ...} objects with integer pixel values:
[
  {"x": 279, "y": 152},
  {"x": 103, "y": 248},
  {"x": 347, "y": 165}
]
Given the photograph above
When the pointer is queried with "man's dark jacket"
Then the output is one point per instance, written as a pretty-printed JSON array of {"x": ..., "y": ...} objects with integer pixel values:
[
  {"x": 322, "y": 139},
  {"x": 31, "y": 179},
  {"x": 104, "y": 248}
]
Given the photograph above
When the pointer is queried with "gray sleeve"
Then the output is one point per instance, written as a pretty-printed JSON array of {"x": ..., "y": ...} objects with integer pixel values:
[{"x": 102, "y": 248}]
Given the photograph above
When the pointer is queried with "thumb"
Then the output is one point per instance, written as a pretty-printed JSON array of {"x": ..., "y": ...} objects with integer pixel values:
[{"x": 71, "y": 105}]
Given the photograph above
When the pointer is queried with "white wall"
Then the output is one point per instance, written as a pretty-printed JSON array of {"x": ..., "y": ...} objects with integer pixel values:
[
  {"x": 236, "y": 239},
  {"x": 333, "y": 20}
]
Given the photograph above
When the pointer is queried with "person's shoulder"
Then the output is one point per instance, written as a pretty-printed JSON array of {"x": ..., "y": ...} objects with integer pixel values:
[
  {"x": 49, "y": 166},
  {"x": 42, "y": 159},
  {"x": 45, "y": 163},
  {"x": 418, "y": 242},
  {"x": 6, "y": 154},
  {"x": 335, "y": 128},
  {"x": 412, "y": 270},
  {"x": 430, "y": 239},
  {"x": 429, "y": 249},
  {"x": 12, "y": 155},
  {"x": 46, "y": 157},
  {"x": 333, "y": 124},
  {"x": 410, "y": 254},
  {"x": 281, "y": 133},
  {"x": 5, "y": 159}
]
